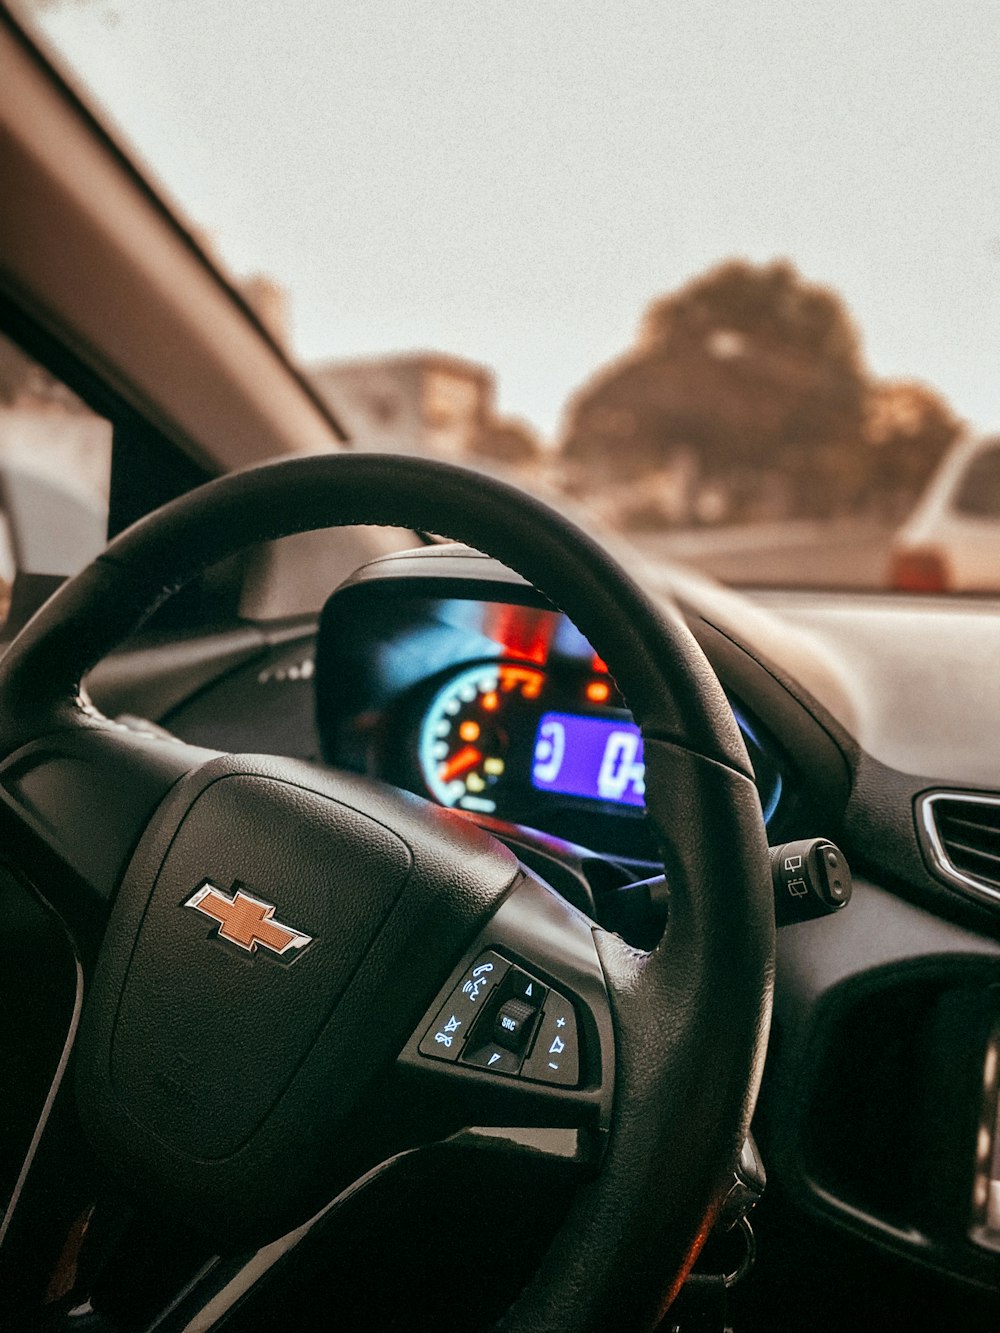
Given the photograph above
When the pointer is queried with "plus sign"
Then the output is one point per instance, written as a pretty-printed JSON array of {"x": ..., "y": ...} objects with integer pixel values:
[{"x": 560, "y": 1022}]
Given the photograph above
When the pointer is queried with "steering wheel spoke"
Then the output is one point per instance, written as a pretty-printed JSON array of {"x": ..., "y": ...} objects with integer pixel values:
[
  {"x": 74, "y": 804},
  {"x": 517, "y": 1047}
]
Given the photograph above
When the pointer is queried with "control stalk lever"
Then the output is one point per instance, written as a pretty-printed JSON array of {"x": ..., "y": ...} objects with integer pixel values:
[{"x": 811, "y": 879}]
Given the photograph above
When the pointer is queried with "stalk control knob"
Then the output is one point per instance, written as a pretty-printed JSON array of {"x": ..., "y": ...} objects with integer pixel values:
[{"x": 811, "y": 879}]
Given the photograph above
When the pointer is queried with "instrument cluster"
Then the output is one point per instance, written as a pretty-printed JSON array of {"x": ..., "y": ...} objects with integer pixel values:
[
  {"x": 499, "y": 729},
  {"x": 492, "y": 707}
]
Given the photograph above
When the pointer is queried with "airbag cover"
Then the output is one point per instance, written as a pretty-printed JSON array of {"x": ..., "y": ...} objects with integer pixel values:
[{"x": 209, "y": 1033}]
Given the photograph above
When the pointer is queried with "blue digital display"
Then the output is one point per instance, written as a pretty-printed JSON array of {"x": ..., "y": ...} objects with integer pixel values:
[{"x": 596, "y": 757}]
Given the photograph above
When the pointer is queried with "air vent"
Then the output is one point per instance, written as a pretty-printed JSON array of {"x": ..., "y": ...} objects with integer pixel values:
[{"x": 962, "y": 838}]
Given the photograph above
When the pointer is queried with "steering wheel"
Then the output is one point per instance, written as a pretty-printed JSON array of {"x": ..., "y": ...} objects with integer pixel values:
[{"x": 275, "y": 954}]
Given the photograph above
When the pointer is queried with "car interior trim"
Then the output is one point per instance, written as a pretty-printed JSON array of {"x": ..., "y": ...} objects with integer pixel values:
[
  {"x": 941, "y": 862},
  {"x": 57, "y": 1079},
  {"x": 119, "y": 227}
]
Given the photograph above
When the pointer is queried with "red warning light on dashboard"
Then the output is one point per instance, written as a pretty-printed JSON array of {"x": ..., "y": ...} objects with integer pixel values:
[
  {"x": 599, "y": 664},
  {"x": 525, "y": 632},
  {"x": 598, "y": 691}
]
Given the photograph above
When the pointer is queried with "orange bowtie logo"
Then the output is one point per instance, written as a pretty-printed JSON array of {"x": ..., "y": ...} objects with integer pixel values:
[{"x": 246, "y": 921}]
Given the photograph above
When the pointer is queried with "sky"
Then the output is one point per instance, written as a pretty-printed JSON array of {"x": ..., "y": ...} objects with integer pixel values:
[{"x": 514, "y": 181}]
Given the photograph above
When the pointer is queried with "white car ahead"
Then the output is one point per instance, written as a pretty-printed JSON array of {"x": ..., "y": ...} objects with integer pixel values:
[{"x": 951, "y": 541}]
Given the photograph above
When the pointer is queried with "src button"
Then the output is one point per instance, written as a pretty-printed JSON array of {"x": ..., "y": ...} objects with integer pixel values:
[{"x": 513, "y": 1025}]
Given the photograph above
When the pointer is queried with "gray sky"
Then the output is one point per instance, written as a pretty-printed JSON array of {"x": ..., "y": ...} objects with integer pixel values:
[{"x": 514, "y": 181}]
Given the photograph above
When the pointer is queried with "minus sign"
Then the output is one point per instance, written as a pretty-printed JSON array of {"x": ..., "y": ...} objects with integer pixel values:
[{"x": 552, "y": 1066}]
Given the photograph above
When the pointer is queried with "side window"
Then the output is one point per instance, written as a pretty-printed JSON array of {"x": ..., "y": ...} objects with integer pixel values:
[
  {"x": 55, "y": 471},
  {"x": 979, "y": 492}
]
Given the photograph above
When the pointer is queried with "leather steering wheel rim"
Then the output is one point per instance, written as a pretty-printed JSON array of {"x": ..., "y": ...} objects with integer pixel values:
[{"x": 690, "y": 1018}]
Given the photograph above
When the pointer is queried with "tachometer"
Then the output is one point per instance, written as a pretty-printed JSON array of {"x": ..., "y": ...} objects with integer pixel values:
[{"x": 465, "y": 734}]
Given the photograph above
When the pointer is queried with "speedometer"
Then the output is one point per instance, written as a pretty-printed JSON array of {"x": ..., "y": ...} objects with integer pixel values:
[{"x": 466, "y": 732}]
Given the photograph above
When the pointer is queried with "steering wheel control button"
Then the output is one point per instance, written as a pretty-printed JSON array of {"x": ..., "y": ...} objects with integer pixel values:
[
  {"x": 446, "y": 1036},
  {"x": 522, "y": 987},
  {"x": 497, "y": 1059},
  {"x": 555, "y": 1056},
  {"x": 514, "y": 1022}
]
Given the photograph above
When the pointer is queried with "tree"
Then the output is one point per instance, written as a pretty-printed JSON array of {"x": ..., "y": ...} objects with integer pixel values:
[
  {"x": 908, "y": 428},
  {"x": 759, "y": 375}
]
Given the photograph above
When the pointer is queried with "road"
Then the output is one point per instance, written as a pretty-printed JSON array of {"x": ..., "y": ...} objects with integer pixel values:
[{"x": 841, "y": 553}]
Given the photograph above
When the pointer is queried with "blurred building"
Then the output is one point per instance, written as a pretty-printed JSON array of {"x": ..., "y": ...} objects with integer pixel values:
[{"x": 417, "y": 403}]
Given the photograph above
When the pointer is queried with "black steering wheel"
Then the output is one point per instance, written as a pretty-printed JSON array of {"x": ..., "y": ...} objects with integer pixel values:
[{"x": 275, "y": 955}]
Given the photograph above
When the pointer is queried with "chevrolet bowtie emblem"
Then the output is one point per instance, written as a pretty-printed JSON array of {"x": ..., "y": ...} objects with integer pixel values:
[{"x": 246, "y": 921}]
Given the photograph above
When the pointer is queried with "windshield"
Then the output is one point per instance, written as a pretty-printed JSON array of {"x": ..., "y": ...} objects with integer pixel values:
[{"x": 726, "y": 274}]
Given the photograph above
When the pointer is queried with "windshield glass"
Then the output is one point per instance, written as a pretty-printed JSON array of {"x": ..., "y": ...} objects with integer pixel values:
[{"x": 726, "y": 274}]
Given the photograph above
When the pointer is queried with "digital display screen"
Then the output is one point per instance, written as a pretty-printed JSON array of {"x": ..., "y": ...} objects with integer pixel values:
[{"x": 596, "y": 757}]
